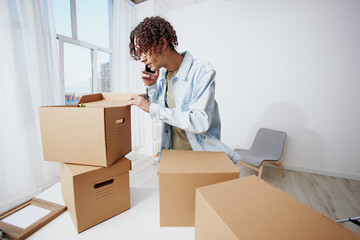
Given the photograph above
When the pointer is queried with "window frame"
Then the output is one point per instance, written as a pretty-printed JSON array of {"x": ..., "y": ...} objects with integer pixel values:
[{"x": 75, "y": 41}]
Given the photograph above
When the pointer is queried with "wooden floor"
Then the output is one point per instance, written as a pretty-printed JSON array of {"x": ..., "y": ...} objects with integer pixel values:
[{"x": 334, "y": 197}]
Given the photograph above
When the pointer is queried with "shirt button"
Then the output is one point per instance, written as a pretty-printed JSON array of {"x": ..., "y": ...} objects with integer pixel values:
[
  {"x": 167, "y": 131},
  {"x": 163, "y": 147}
]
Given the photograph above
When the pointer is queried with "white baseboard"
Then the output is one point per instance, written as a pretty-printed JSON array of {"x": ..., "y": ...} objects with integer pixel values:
[{"x": 322, "y": 172}]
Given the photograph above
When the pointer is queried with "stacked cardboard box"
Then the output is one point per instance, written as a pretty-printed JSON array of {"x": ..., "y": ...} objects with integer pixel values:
[
  {"x": 95, "y": 194},
  {"x": 90, "y": 140},
  {"x": 98, "y": 134}
]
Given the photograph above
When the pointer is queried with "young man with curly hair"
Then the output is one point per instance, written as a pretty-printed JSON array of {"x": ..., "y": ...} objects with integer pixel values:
[{"x": 181, "y": 92}]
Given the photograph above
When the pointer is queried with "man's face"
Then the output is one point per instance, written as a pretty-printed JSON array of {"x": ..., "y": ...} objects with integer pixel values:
[{"x": 153, "y": 60}]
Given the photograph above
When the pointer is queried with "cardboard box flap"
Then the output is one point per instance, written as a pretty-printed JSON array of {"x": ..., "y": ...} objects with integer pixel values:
[
  {"x": 91, "y": 173},
  {"x": 178, "y": 161},
  {"x": 107, "y": 99},
  {"x": 255, "y": 204},
  {"x": 91, "y": 98}
]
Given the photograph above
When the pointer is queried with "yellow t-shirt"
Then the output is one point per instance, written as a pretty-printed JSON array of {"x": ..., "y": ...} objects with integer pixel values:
[{"x": 179, "y": 138}]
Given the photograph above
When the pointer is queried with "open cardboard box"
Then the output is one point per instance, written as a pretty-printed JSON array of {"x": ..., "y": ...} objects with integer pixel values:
[
  {"x": 250, "y": 208},
  {"x": 180, "y": 173},
  {"x": 97, "y": 134},
  {"x": 95, "y": 194}
]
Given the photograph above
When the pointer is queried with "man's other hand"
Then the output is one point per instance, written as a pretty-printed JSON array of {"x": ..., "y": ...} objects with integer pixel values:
[
  {"x": 140, "y": 102},
  {"x": 149, "y": 78}
]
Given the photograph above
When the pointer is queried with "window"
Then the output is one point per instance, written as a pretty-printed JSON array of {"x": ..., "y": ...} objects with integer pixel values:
[
  {"x": 93, "y": 21},
  {"x": 77, "y": 72},
  {"x": 62, "y": 15},
  {"x": 83, "y": 30}
]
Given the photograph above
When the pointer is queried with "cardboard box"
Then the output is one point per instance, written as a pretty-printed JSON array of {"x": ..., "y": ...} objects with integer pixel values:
[
  {"x": 180, "y": 173},
  {"x": 250, "y": 208},
  {"x": 97, "y": 134},
  {"x": 94, "y": 194}
]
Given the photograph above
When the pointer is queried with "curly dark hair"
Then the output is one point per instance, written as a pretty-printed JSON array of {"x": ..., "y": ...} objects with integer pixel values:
[{"x": 149, "y": 34}]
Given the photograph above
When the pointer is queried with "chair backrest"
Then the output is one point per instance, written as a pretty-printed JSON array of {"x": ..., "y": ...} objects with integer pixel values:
[{"x": 269, "y": 143}]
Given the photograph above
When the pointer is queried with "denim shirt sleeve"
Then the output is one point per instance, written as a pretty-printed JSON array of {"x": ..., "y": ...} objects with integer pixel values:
[
  {"x": 152, "y": 94},
  {"x": 199, "y": 116}
]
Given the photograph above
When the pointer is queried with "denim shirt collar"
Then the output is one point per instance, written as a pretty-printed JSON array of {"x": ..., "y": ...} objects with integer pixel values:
[{"x": 184, "y": 67}]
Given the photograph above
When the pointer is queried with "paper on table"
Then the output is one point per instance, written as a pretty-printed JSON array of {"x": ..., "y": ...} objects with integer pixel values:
[{"x": 26, "y": 216}]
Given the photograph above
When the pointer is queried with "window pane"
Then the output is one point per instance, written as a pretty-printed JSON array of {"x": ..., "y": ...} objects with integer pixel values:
[
  {"x": 62, "y": 16},
  {"x": 77, "y": 72},
  {"x": 104, "y": 72},
  {"x": 93, "y": 21}
]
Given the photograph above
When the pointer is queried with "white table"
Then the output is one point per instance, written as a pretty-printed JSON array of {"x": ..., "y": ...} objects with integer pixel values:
[{"x": 142, "y": 221}]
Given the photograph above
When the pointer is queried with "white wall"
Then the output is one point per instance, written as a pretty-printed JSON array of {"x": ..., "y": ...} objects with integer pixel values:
[
  {"x": 144, "y": 9},
  {"x": 287, "y": 65}
]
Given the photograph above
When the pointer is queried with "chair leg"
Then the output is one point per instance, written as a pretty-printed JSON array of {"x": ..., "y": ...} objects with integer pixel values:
[
  {"x": 281, "y": 169},
  {"x": 261, "y": 170}
]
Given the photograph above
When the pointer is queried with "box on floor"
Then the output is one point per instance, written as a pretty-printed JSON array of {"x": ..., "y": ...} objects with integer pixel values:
[
  {"x": 250, "y": 208},
  {"x": 97, "y": 134},
  {"x": 95, "y": 194},
  {"x": 180, "y": 173}
]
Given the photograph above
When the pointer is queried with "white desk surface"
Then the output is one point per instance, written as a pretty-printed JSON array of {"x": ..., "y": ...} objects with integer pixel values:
[{"x": 142, "y": 221}]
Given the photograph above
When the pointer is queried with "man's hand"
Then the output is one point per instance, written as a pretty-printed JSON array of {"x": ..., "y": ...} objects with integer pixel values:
[
  {"x": 140, "y": 102},
  {"x": 149, "y": 78}
]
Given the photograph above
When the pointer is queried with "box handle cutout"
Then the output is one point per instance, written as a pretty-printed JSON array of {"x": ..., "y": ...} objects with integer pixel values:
[
  {"x": 103, "y": 184},
  {"x": 121, "y": 120}
]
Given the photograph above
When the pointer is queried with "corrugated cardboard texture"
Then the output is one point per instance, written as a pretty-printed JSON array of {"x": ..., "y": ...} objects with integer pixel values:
[
  {"x": 95, "y": 194},
  {"x": 250, "y": 208},
  {"x": 73, "y": 134},
  {"x": 67, "y": 189},
  {"x": 97, "y": 134},
  {"x": 118, "y": 132},
  {"x": 177, "y": 161},
  {"x": 208, "y": 225},
  {"x": 180, "y": 173}
]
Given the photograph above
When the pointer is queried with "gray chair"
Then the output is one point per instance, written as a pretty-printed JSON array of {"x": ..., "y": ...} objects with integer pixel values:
[{"x": 268, "y": 147}]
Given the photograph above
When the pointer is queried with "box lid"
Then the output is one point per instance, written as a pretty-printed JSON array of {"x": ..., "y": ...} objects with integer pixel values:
[
  {"x": 179, "y": 161},
  {"x": 107, "y": 99},
  {"x": 254, "y": 209},
  {"x": 86, "y": 173}
]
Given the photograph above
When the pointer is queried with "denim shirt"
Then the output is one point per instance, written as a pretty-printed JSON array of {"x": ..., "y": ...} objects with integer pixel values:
[{"x": 196, "y": 110}]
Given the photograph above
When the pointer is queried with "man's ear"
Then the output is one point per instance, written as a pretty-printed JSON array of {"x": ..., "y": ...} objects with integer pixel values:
[{"x": 164, "y": 43}]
